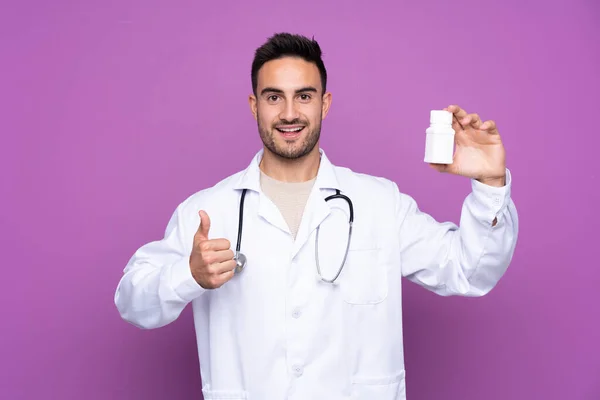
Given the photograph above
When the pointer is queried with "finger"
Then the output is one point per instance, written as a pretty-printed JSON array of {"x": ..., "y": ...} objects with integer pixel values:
[
  {"x": 212, "y": 245},
  {"x": 204, "y": 226},
  {"x": 440, "y": 167},
  {"x": 457, "y": 126},
  {"x": 222, "y": 255},
  {"x": 447, "y": 168},
  {"x": 217, "y": 280},
  {"x": 223, "y": 278},
  {"x": 215, "y": 257},
  {"x": 471, "y": 119},
  {"x": 490, "y": 127},
  {"x": 458, "y": 112},
  {"x": 223, "y": 267}
]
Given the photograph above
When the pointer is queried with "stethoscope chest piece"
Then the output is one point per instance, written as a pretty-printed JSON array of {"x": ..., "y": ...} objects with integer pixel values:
[{"x": 240, "y": 261}]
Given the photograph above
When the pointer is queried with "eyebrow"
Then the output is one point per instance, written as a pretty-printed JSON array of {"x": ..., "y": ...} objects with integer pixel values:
[{"x": 275, "y": 90}]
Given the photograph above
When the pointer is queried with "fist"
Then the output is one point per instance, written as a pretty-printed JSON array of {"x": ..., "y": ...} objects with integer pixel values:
[{"x": 211, "y": 261}]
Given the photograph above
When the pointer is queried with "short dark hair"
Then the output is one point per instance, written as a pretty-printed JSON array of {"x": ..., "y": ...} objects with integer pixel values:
[{"x": 290, "y": 45}]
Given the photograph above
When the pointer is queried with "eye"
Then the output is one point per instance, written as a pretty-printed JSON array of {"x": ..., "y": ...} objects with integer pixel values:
[
  {"x": 272, "y": 98},
  {"x": 305, "y": 97}
]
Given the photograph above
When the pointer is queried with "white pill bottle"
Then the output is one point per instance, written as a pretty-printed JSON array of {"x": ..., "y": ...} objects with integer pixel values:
[{"x": 439, "y": 142}]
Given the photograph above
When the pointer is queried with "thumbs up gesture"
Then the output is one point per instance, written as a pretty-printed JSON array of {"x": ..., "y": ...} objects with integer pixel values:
[{"x": 211, "y": 261}]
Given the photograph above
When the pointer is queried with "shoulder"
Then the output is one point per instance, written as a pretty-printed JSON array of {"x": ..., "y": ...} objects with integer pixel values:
[
  {"x": 216, "y": 201},
  {"x": 380, "y": 194},
  {"x": 212, "y": 197},
  {"x": 365, "y": 184},
  {"x": 375, "y": 198}
]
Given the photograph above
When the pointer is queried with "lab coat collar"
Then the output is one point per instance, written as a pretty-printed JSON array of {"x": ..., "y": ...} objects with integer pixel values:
[
  {"x": 250, "y": 178},
  {"x": 316, "y": 210}
]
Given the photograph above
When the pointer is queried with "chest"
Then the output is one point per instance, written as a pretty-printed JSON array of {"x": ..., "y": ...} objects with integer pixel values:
[{"x": 283, "y": 267}]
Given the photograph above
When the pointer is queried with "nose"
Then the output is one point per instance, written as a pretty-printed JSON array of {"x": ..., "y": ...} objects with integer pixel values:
[{"x": 289, "y": 112}]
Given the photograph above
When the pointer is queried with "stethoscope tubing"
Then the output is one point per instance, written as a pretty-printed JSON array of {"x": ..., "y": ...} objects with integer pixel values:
[{"x": 241, "y": 258}]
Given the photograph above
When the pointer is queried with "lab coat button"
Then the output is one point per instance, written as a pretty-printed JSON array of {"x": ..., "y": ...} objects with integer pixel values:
[
  {"x": 297, "y": 370},
  {"x": 296, "y": 313}
]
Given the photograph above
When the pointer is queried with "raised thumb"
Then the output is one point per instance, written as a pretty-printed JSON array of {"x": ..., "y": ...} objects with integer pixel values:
[{"x": 204, "y": 225}]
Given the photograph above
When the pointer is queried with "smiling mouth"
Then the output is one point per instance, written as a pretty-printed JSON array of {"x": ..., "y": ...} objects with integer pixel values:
[
  {"x": 290, "y": 132},
  {"x": 293, "y": 129}
]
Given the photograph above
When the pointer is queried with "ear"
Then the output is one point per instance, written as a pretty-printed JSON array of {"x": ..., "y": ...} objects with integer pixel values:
[
  {"x": 326, "y": 104},
  {"x": 252, "y": 103}
]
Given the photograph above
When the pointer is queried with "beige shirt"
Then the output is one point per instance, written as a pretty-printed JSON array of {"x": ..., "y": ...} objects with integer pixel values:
[{"x": 289, "y": 197}]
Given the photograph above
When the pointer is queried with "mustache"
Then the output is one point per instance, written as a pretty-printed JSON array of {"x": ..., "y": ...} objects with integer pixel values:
[{"x": 296, "y": 121}]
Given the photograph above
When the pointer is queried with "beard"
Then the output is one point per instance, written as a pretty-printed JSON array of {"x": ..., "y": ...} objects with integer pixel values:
[{"x": 293, "y": 150}]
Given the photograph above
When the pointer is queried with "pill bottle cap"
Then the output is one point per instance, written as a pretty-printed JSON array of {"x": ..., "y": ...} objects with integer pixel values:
[{"x": 441, "y": 117}]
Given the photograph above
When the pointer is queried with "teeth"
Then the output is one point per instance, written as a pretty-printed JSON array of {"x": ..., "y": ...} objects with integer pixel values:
[{"x": 290, "y": 130}]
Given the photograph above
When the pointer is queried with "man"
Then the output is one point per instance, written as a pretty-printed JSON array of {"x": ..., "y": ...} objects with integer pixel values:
[{"x": 290, "y": 324}]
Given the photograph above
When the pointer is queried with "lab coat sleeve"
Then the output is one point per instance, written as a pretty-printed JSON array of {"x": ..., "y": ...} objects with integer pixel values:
[
  {"x": 468, "y": 259},
  {"x": 157, "y": 282}
]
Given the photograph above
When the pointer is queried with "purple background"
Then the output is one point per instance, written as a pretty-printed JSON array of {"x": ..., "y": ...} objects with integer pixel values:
[{"x": 112, "y": 112}]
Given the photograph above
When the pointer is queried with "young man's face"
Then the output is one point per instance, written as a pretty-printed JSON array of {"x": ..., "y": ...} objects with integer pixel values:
[{"x": 289, "y": 106}]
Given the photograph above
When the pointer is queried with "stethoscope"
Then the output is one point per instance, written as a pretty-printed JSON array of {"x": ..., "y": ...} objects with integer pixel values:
[{"x": 241, "y": 260}]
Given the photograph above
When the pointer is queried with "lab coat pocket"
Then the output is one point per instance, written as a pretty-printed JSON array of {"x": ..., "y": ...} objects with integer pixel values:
[
  {"x": 364, "y": 279},
  {"x": 391, "y": 387},
  {"x": 224, "y": 394}
]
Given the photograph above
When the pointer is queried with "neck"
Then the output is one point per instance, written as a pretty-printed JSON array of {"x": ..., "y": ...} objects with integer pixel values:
[{"x": 285, "y": 170}]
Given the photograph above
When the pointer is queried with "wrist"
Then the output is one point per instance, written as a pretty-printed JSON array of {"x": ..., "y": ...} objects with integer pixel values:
[{"x": 496, "y": 182}]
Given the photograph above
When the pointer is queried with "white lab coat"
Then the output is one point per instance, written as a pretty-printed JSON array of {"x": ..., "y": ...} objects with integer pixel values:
[{"x": 276, "y": 331}]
